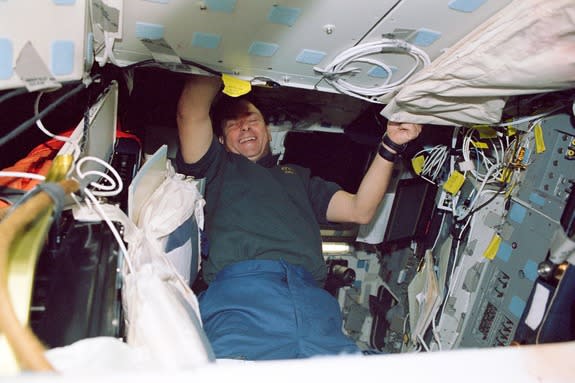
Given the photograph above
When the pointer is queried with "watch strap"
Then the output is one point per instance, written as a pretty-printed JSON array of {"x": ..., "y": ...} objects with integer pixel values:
[
  {"x": 385, "y": 153},
  {"x": 392, "y": 145}
]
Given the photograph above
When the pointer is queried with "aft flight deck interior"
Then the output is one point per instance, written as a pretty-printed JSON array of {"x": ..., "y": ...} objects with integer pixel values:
[{"x": 465, "y": 274}]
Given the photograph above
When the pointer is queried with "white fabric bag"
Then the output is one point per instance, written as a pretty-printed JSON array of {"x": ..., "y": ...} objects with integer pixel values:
[
  {"x": 526, "y": 48},
  {"x": 173, "y": 203},
  {"x": 161, "y": 311}
]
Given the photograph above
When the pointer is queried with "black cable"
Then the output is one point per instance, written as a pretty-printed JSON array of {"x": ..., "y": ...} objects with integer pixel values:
[
  {"x": 13, "y": 93},
  {"x": 31, "y": 121},
  {"x": 475, "y": 210},
  {"x": 202, "y": 67},
  {"x": 154, "y": 63}
]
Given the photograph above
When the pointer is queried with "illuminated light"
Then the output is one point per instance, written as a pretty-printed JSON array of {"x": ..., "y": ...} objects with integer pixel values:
[{"x": 336, "y": 248}]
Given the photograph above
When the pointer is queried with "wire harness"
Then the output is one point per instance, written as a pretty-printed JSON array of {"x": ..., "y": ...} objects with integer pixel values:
[{"x": 335, "y": 71}]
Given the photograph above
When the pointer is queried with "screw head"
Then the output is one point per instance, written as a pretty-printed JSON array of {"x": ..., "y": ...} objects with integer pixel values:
[{"x": 329, "y": 29}]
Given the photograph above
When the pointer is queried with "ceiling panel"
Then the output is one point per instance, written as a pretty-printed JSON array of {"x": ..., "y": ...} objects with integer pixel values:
[{"x": 285, "y": 40}]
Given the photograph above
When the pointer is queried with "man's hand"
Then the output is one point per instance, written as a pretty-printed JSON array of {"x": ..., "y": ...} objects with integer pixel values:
[
  {"x": 208, "y": 85},
  {"x": 402, "y": 132},
  {"x": 198, "y": 94}
]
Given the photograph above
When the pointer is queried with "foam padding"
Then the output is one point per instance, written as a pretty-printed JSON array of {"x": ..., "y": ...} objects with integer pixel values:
[
  {"x": 308, "y": 56},
  {"x": 516, "y": 306},
  {"x": 149, "y": 31},
  {"x": 517, "y": 213},
  {"x": 379, "y": 72},
  {"x": 259, "y": 48},
  {"x": 530, "y": 270},
  {"x": 504, "y": 251},
  {"x": 425, "y": 37},
  {"x": 537, "y": 199},
  {"x": 284, "y": 15},
  {"x": 226, "y": 6},
  {"x": 6, "y": 58},
  {"x": 62, "y": 57},
  {"x": 206, "y": 40},
  {"x": 465, "y": 5}
]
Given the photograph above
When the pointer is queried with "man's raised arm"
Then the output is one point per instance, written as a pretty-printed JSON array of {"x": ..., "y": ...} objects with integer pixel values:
[
  {"x": 193, "y": 118},
  {"x": 361, "y": 207}
]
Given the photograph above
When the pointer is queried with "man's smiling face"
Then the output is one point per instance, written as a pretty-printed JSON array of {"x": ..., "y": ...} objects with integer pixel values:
[{"x": 247, "y": 134}]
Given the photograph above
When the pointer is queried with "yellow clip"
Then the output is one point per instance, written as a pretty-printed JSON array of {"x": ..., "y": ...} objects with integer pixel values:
[
  {"x": 493, "y": 247},
  {"x": 480, "y": 145},
  {"x": 506, "y": 175},
  {"x": 234, "y": 87},
  {"x": 511, "y": 131},
  {"x": 539, "y": 140},
  {"x": 454, "y": 182},
  {"x": 486, "y": 131},
  {"x": 417, "y": 164}
]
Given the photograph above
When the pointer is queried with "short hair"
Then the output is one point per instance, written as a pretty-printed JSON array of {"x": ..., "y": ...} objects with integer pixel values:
[{"x": 226, "y": 108}]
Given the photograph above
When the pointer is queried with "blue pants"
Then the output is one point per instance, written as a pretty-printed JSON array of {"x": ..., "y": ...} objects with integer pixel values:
[{"x": 263, "y": 309}]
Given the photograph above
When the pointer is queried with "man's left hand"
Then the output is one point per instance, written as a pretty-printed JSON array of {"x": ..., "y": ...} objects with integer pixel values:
[{"x": 403, "y": 132}]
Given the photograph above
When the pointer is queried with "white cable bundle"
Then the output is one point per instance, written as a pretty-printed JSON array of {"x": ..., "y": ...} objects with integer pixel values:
[
  {"x": 493, "y": 165},
  {"x": 332, "y": 72},
  {"x": 434, "y": 160}
]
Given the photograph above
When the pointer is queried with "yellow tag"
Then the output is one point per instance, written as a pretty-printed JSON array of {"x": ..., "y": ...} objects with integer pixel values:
[
  {"x": 511, "y": 131},
  {"x": 486, "y": 131},
  {"x": 491, "y": 250},
  {"x": 480, "y": 145},
  {"x": 454, "y": 182},
  {"x": 506, "y": 175},
  {"x": 539, "y": 141},
  {"x": 417, "y": 163},
  {"x": 234, "y": 87}
]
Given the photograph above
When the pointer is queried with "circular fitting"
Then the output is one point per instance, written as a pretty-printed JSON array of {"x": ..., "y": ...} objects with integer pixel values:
[{"x": 329, "y": 29}]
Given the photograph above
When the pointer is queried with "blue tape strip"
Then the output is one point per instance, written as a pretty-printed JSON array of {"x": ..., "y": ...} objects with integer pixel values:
[
  {"x": 526, "y": 156},
  {"x": 283, "y": 15},
  {"x": 308, "y": 56},
  {"x": 517, "y": 306},
  {"x": 537, "y": 199},
  {"x": 62, "y": 57},
  {"x": 206, "y": 40},
  {"x": 530, "y": 270},
  {"x": 425, "y": 37},
  {"x": 6, "y": 59},
  {"x": 159, "y": 1},
  {"x": 226, "y": 6},
  {"x": 517, "y": 213},
  {"x": 149, "y": 31},
  {"x": 64, "y": 2},
  {"x": 504, "y": 251},
  {"x": 379, "y": 72},
  {"x": 259, "y": 48},
  {"x": 466, "y": 5}
]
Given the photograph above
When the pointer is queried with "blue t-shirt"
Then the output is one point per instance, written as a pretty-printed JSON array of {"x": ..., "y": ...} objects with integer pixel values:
[{"x": 260, "y": 211}]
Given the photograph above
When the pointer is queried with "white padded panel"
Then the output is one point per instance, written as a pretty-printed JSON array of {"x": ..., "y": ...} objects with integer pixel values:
[
  {"x": 243, "y": 22},
  {"x": 55, "y": 28}
]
